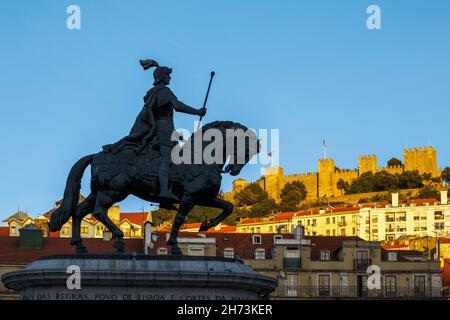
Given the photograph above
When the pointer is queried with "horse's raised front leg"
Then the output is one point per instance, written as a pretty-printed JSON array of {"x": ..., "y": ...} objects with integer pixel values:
[
  {"x": 186, "y": 205},
  {"x": 216, "y": 203}
]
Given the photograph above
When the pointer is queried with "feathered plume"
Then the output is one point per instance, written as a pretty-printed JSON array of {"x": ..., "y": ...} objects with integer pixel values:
[{"x": 148, "y": 63}]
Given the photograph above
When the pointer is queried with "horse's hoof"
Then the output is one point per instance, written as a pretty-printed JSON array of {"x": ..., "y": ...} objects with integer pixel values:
[
  {"x": 119, "y": 245},
  {"x": 81, "y": 250},
  {"x": 176, "y": 251}
]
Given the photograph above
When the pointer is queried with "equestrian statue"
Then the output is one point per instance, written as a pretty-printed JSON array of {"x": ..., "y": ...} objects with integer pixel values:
[{"x": 141, "y": 164}]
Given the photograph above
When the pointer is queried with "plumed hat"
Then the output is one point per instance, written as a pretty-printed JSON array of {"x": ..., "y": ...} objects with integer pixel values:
[{"x": 159, "y": 71}]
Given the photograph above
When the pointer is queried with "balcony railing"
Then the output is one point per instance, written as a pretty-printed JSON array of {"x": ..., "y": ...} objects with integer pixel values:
[
  {"x": 352, "y": 292},
  {"x": 361, "y": 264},
  {"x": 292, "y": 263},
  {"x": 342, "y": 223}
]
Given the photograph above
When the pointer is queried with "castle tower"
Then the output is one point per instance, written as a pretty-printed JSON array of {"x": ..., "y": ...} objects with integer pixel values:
[
  {"x": 326, "y": 177},
  {"x": 422, "y": 159},
  {"x": 273, "y": 182},
  {"x": 367, "y": 163}
]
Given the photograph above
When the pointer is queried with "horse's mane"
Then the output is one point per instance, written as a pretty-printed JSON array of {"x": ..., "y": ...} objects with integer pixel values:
[
  {"x": 222, "y": 125},
  {"x": 218, "y": 125}
]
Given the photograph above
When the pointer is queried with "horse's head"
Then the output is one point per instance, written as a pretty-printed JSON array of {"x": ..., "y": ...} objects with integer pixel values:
[
  {"x": 241, "y": 144},
  {"x": 222, "y": 142}
]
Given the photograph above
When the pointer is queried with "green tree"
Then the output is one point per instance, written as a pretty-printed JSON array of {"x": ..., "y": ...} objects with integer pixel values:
[
  {"x": 384, "y": 181},
  {"x": 394, "y": 162},
  {"x": 365, "y": 183},
  {"x": 446, "y": 175},
  {"x": 249, "y": 195},
  {"x": 410, "y": 180},
  {"x": 343, "y": 186},
  {"x": 291, "y": 195},
  {"x": 428, "y": 192}
]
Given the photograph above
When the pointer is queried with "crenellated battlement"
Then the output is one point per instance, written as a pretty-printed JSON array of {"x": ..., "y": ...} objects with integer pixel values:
[
  {"x": 367, "y": 157},
  {"x": 346, "y": 170},
  {"x": 324, "y": 181},
  {"x": 419, "y": 149},
  {"x": 301, "y": 175}
]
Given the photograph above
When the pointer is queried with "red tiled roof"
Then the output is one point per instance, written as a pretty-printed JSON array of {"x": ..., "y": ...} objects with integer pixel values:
[
  {"x": 11, "y": 253},
  {"x": 4, "y": 231},
  {"x": 251, "y": 220},
  {"x": 225, "y": 229},
  {"x": 418, "y": 202},
  {"x": 332, "y": 243},
  {"x": 138, "y": 218},
  {"x": 283, "y": 216},
  {"x": 191, "y": 226},
  {"x": 446, "y": 273},
  {"x": 395, "y": 246}
]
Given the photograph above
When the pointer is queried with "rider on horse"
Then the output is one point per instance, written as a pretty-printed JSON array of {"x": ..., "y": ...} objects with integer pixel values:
[{"x": 154, "y": 124}]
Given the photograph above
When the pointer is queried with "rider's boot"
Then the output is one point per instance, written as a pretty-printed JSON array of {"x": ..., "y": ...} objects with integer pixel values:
[{"x": 165, "y": 193}]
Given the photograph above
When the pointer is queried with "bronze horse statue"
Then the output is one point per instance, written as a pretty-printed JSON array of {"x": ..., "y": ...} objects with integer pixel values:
[{"x": 114, "y": 176}]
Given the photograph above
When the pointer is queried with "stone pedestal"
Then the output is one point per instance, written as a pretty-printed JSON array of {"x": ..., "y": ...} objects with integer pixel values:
[{"x": 138, "y": 277}]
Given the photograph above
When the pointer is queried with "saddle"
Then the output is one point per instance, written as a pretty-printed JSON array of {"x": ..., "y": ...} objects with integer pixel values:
[{"x": 145, "y": 159}]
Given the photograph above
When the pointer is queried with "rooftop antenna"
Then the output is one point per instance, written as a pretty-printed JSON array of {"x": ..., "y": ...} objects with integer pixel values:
[{"x": 324, "y": 149}]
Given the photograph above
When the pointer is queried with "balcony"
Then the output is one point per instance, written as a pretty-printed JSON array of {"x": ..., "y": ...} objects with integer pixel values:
[
  {"x": 361, "y": 264},
  {"x": 342, "y": 223},
  {"x": 354, "y": 292},
  {"x": 292, "y": 263}
]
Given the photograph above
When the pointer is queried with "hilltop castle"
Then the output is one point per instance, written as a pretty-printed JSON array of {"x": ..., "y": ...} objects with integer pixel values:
[{"x": 323, "y": 183}]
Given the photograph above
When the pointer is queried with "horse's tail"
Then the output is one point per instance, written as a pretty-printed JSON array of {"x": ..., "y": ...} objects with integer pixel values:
[{"x": 71, "y": 194}]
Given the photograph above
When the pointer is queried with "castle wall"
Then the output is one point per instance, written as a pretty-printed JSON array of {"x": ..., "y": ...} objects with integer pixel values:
[
  {"x": 346, "y": 175},
  {"x": 324, "y": 182},
  {"x": 422, "y": 159}
]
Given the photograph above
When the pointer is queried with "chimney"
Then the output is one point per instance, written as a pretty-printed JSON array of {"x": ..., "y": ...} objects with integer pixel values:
[
  {"x": 394, "y": 199},
  {"x": 106, "y": 235},
  {"x": 444, "y": 199},
  {"x": 31, "y": 237}
]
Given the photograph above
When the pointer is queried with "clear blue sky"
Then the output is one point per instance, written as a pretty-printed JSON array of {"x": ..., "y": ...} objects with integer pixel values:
[{"x": 310, "y": 68}]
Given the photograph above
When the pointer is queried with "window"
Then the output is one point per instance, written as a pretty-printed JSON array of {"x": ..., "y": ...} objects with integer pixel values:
[
  {"x": 277, "y": 237},
  {"x": 324, "y": 255},
  {"x": 291, "y": 287},
  {"x": 256, "y": 239},
  {"x": 260, "y": 254},
  {"x": 126, "y": 231},
  {"x": 353, "y": 230},
  {"x": 328, "y": 221},
  {"x": 228, "y": 253},
  {"x": 65, "y": 231},
  {"x": 324, "y": 285},
  {"x": 438, "y": 215},
  {"x": 13, "y": 230},
  {"x": 314, "y": 222},
  {"x": 390, "y": 283},
  {"x": 342, "y": 232},
  {"x": 439, "y": 225},
  {"x": 392, "y": 256},
  {"x": 84, "y": 230},
  {"x": 196, "y": 250},
  {"x": 328, "y": 232},
  {"x": 419, "y": 285},
  {"x": 334, "y": 220},
  {"x": 161, "y": 251},
  {"x": 334, "y": 232}
]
